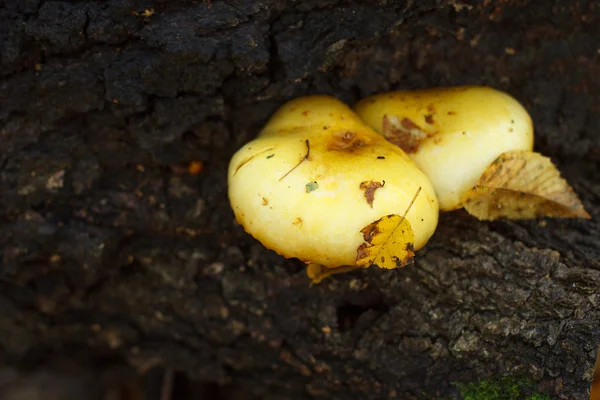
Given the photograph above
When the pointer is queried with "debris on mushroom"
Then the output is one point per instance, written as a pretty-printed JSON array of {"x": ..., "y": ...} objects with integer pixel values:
[{"x": 317, "y": 177}]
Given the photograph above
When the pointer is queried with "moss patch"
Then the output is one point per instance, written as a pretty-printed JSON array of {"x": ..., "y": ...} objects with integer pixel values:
[{"x": 505, "y": 388}]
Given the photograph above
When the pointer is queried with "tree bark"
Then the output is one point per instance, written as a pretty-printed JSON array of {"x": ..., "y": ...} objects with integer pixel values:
[{"x": 114, "y": 255}]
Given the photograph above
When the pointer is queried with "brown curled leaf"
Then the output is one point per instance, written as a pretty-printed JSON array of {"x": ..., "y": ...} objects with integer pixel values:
[
  {"x": 403, "y": 132},
  {"x": 523, "y": 185},
  {"x": 347, "y": 141},
  {"x": 370, "y": 187}
]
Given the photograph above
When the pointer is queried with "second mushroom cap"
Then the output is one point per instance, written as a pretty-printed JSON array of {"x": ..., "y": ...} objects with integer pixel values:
[{"x": 453, "y": 134}]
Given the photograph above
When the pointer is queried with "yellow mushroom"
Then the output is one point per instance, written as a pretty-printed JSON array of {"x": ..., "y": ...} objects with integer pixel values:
[
  {"x": 452, "y": 134},
  {"x": 316, "y": 175}
]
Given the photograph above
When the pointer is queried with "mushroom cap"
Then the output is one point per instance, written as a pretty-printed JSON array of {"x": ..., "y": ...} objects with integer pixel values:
[
  {"x": 297, "y": 187},
  {"x": 453, "y": 134},
  {"x": 316, "y": 111}
]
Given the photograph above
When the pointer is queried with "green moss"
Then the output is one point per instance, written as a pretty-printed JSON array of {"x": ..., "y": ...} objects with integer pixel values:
[{"x": 505, "y": 388}]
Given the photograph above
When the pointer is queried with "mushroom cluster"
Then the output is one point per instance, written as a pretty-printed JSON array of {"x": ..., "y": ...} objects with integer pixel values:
[
  {"x": 316, "y": 175},
  {"x": 341, "y": 189}
]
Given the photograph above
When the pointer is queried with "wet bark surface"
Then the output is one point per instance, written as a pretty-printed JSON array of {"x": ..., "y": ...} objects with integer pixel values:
[{"x": 114, "y": 257}]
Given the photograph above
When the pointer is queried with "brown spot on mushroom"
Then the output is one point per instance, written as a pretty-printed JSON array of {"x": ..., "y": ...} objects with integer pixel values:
[
  {"x": 403, "y": 132},
  {"x": 305, "y": 113},
  {"x": 370, "y": 187},
  {"x": 429, "y": 117},
  {"x": 265, "y": 201},
  {"x": 297, "y": 221},
  {"x": 347, "y": 141},
  {"x": 451, "y": 112}
]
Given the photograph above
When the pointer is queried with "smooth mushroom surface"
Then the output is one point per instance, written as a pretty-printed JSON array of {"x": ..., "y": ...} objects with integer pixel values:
[
  {"x": 316, "y": 175},
  {"x": 453, "y": 134}
]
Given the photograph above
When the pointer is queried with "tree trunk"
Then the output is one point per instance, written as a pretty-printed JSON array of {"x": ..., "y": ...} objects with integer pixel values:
[{"x": 119, "y": 254}]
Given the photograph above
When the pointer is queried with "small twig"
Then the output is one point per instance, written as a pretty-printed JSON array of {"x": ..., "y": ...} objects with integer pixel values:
[
  {"x": 300, "y": 162},
  {"x": 166, "y": 392},
  {"x": 247, "y": 160},
  {"x": 411, "y": 203}
]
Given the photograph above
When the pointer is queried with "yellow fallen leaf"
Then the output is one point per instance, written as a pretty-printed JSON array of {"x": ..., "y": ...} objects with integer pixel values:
[
  {"x": 389, "y": 243},
  {"x": 523, "y": 185}
]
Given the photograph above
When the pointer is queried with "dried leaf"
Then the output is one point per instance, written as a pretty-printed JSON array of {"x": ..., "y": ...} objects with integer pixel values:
[
  {"x": 389, "y": 243},
  {"x": 403, "y": 132},
  {"x": 523, "y": 185},
  {"x": 370, "y": 187}
]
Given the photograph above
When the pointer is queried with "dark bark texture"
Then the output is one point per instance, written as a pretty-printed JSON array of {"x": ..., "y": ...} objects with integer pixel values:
[{"x": 115, "y": 259}]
